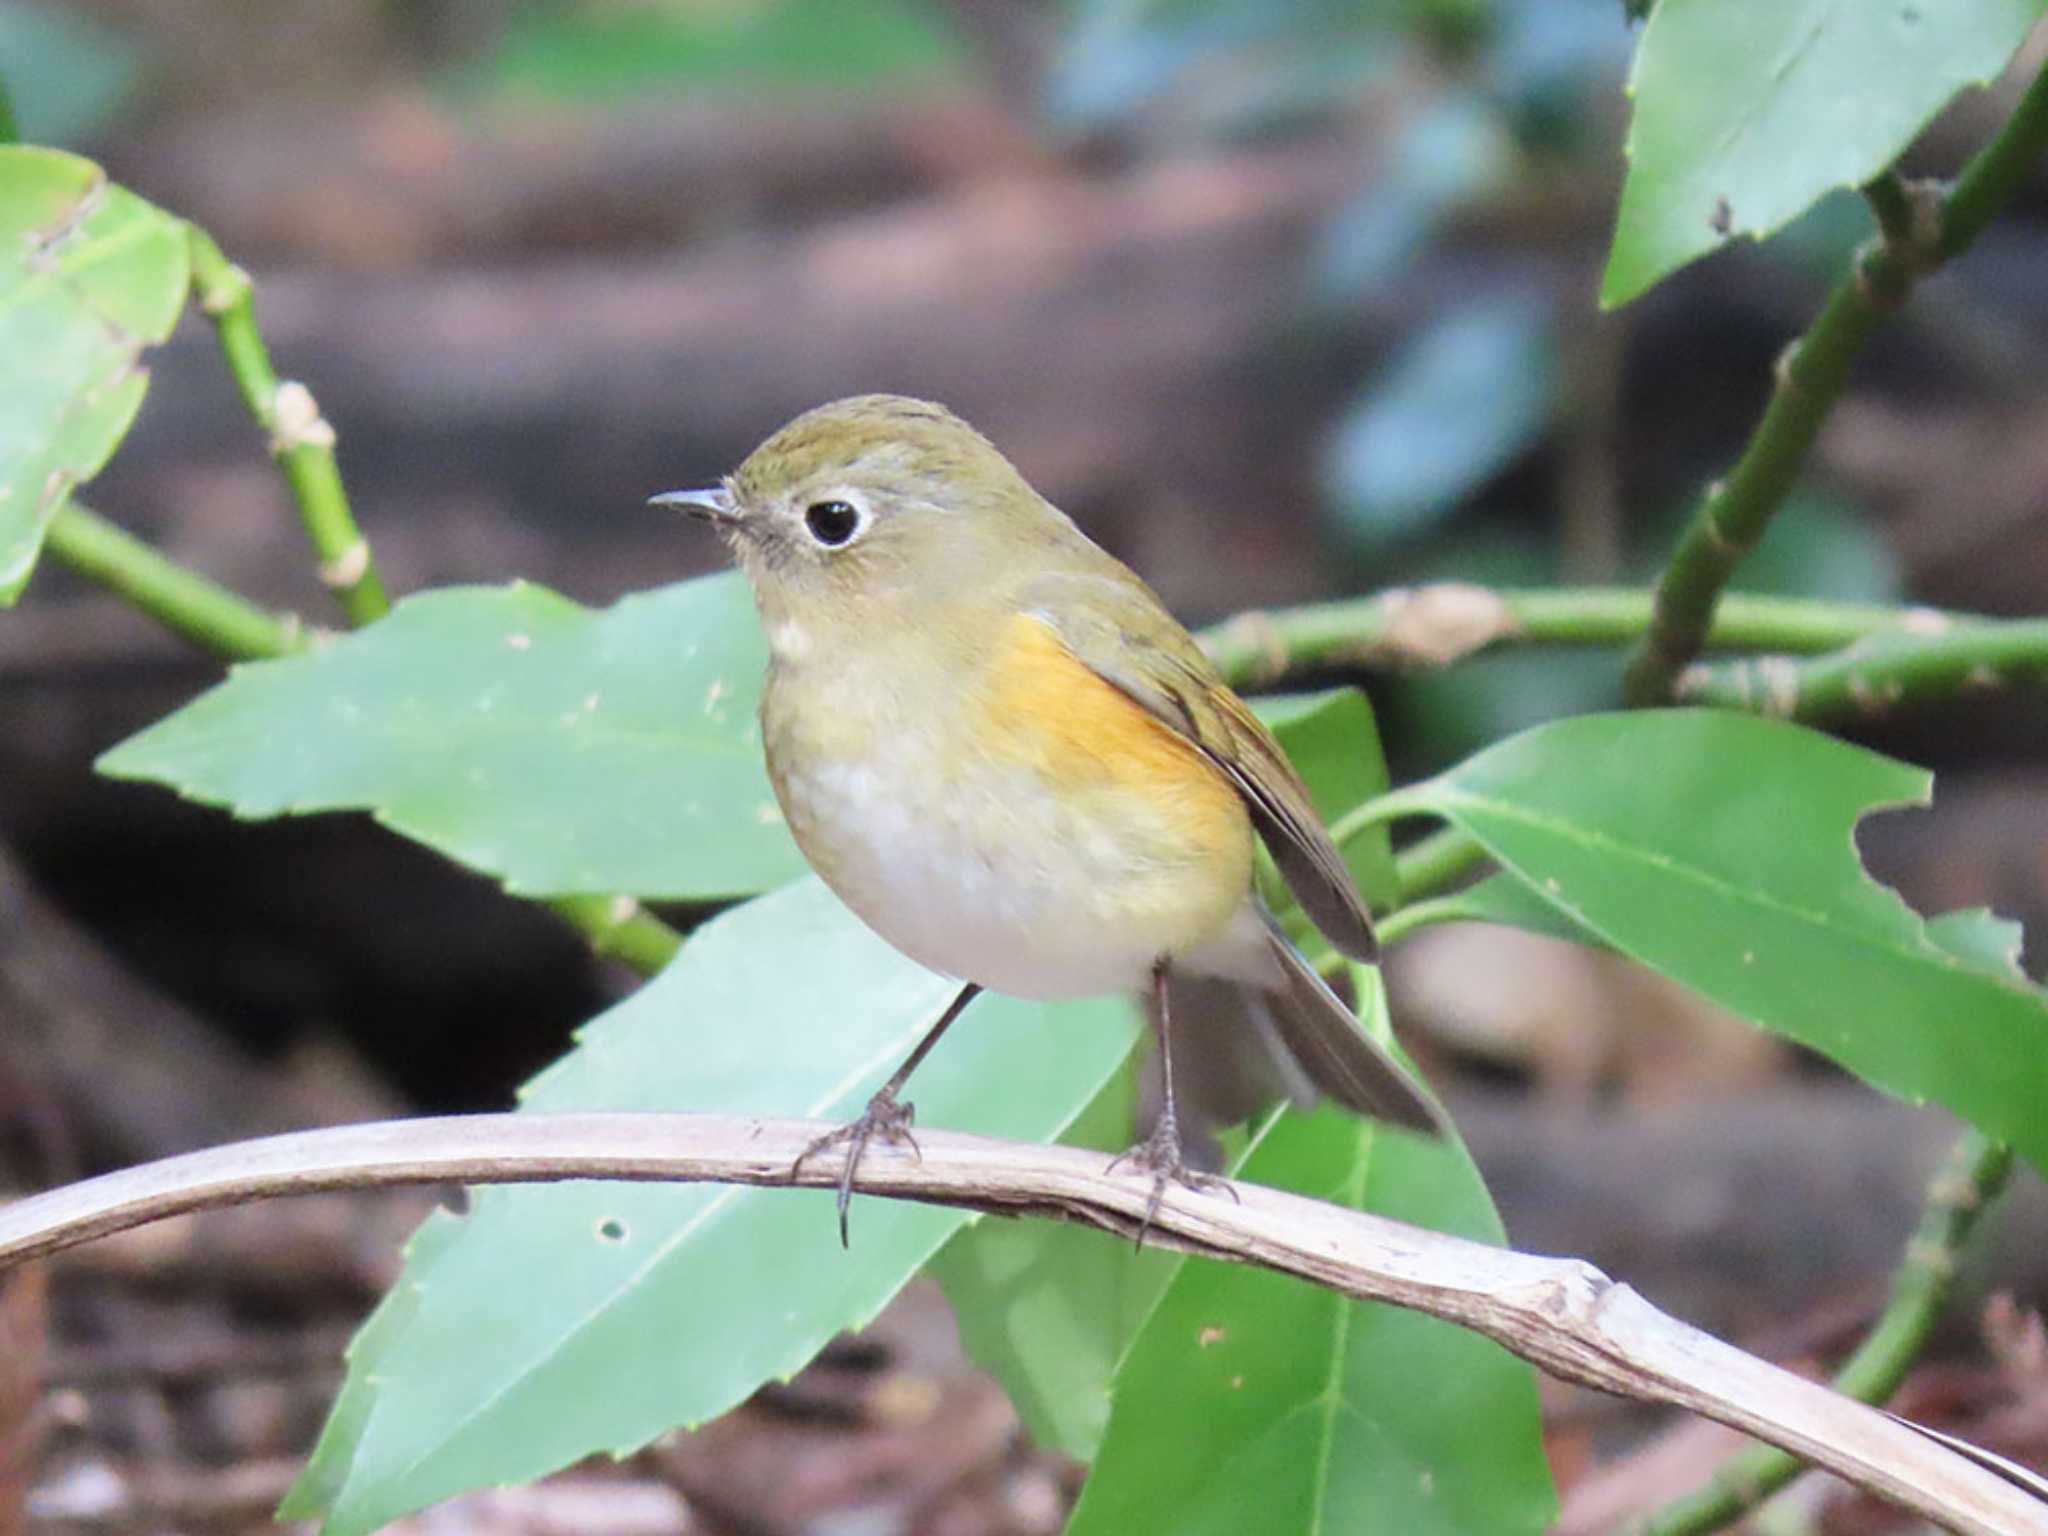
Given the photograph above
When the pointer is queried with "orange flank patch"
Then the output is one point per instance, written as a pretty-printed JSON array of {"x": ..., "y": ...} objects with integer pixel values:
[{"x": 1049, "y": 711}]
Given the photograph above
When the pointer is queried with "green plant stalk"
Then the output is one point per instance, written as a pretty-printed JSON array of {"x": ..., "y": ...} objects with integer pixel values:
[
  {"x": 190, "y": 606},
  {"x": 619, "y": 928},
  {"x": 1874, "y": 678},
  {"x": 1967, "y": 1183},
  {"x": 1997, "y": 171},
  {"x": 1432, "y": 864},
  {"x": 1893, "y": 204},
  {"x": 1403, "y": 921},
  {"x": 229, "y": 626},
  {"x": 1434, "y": 625},
  {"x": 1810, "y": 376},
  {"x": 301, "y": 440},
  {"x": 1732, "y": 517}
]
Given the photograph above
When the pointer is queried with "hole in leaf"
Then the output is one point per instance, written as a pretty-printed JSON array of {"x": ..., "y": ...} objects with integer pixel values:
[{"x": 612, "y": 1230}]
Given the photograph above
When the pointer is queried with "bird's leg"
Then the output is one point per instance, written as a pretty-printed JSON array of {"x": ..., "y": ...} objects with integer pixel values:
[
  {"x": 1161, "y": 1153},
  {"x": 884, "y": 1116}
]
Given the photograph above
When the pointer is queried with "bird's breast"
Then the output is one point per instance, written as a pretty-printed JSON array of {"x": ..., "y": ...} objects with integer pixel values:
[{"x": 1024, "y": 825}]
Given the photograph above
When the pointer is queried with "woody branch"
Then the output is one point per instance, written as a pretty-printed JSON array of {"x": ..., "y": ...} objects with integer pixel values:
[{"x": 1560, "y": 1314}]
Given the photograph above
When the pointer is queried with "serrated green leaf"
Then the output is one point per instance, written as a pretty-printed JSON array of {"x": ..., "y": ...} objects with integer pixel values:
[
  {"x": 1720, "y": 849},
  {"x": 1252, "y": 1401},
  {"x": 1981, "y": 938},
  {"x": 1748, "y": 113},
  {"x": 90, "y": 276},
  {"x": 558, "y": 748},
  {"x": 1506, "y": 899},
  {"x": 1049, "y": 1308},
  {"x": 561, "y": 1320},
  {"x": 320, "y": 1484}
]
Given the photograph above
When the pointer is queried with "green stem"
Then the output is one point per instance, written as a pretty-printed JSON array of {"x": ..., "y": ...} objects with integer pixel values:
[
  {"x": 621, "y": 929},
  {"x": 1433, "y": 864},
  {"x": 1733, "y": 514},
  {"x": 184, "y": 602},
  {"x": 1997, "y": 171},
  {"x": 301, "y": 440},
  {"x": 1810, "y": 376},
  {"x": 1893, "y": 205},
  {"x": 1877, "y": 676},
  {"x": 1403, "y": 921},
  {"x": 1968, "y": 1182},
  {"x": 1413, "y": 627}
]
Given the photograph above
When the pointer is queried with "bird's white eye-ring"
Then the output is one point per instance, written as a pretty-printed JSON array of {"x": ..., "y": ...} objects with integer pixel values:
[{"x": 833, "y": 522}]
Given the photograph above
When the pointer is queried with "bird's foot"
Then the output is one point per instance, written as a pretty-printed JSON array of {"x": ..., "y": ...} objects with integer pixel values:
[
  {"x": 1160, "y": 1154},
  {"x": 884, "y": 1117}
]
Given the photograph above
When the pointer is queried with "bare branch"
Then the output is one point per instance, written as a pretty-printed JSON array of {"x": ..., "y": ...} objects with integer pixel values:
[{"x": 1560, "y": 1314}]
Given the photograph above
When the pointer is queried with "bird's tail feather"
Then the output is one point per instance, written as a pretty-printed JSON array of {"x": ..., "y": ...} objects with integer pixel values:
[{"x": 1323, "y": 1043}]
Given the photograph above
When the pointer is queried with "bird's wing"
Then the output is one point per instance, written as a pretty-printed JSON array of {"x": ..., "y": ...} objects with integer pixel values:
[{"x": 1164, "y": 671}]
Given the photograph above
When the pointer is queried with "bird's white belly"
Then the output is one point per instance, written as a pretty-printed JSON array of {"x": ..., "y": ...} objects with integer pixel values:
[{"x": 1001, "y": 884}]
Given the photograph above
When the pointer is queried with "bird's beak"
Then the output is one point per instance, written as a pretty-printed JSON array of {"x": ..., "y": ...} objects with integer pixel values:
[{"x": 715, "y": 505}]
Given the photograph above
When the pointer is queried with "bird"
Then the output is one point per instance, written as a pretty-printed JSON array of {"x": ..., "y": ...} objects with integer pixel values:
[{"x": 997, "y": 747}]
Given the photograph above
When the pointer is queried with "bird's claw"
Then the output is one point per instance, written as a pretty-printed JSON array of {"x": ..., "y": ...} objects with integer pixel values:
[
  {"x": 1160, "y": 1155},
  {"x": 884, "y": 1117}
]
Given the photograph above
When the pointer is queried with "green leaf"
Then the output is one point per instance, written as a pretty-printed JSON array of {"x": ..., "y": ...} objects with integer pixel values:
[
  {"x": 1980, "y": 938},
  {"x": 1049, "y": 1308},
  {"x": 1461, "y": 403},
  {"x": 1720, "y": 849},
  {"x": 559, "y": 749},
  {"x": 1252, "y": 1401},
  {"x": 92, "y": 276},
  {"x": 1509, "y": 901},
  {"x": 1748, "y": 113},
  {"x": 555, "y": 1321},
  {"x": 1333, "y": 741}
]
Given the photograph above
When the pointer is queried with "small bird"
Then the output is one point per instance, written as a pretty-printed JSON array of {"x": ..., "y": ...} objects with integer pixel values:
[{"x": 995, "y": 745}]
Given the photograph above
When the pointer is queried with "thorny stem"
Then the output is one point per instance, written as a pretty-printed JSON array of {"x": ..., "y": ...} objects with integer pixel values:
[
  {"x": 1877, "y": 676},
  {"x": 1414, "y": 627},
  {"x": 1731, "y": 518},
  {"x": 301, "y": 440},
  {"x": 1967, "y": 1183}
]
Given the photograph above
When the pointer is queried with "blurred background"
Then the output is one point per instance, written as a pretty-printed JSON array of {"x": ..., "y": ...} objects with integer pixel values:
[{"x": 1281, "y": 299}]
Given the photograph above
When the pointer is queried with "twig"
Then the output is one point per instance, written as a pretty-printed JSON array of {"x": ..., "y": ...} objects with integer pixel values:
[
  {"x": 1810, "y": 376},
  {"x": 1967, "y": 1183},
  {"x": 1877, "y": 676},
  {"x": 301, "y": 440},
  {"x": 1560, "y": 1314}
]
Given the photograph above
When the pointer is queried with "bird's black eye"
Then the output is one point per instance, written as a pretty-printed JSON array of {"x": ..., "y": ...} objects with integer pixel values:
[{"x": 832, "y": 522}]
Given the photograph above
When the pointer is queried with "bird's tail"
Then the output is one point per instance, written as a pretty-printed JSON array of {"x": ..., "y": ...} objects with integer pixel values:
[{"x": 1312, "y": 1032}]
